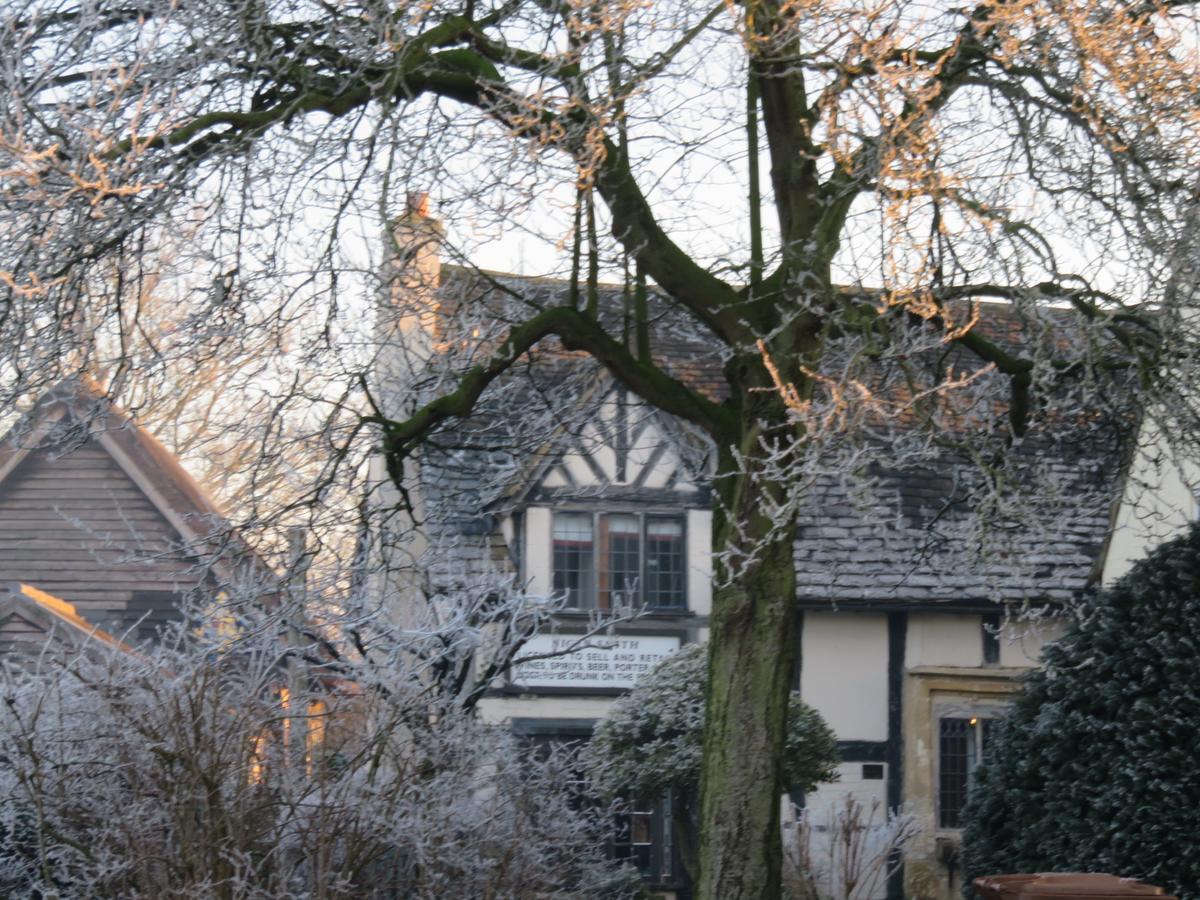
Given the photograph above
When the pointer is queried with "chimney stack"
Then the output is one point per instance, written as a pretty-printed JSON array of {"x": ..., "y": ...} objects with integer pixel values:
[
  {"x": 407, "y": 326},
  {"x": 418, "y": 204},
  {"x": 416, "y": 243}
]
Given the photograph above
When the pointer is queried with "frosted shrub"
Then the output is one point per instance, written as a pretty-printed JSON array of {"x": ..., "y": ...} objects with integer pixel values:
[
  {"x": 651, "y": 742},
  {"x": 846, "y": 851},
  {"x": 234, "y": 771},
  {"x": 1094, "y": 769}
]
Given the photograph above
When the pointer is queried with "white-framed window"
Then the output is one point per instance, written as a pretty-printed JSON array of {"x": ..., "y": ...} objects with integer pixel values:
[
  {"x": 608, "y": 560},
  {"x": 962, "y": 746}
]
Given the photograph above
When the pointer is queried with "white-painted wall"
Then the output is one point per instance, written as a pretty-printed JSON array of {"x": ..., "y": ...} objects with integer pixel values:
[
  {"x": 604, "y": 456},
  {"x": 578, "y": 469},
  {"x": 1158, "y": 502},
  {"x": 944, "y": 640},
  {"x": 539, "y": 574},
  {"x": 850, "y": 783},
  {"x": 699, "y": 561},
  {"x": 554, "y": 478},
  {"x": 399, "y": 549},
  {"x": 641, "y": 452},
  {"x": 844, "y": 672},
  {"x": 644, "y": 438},
  {"x": 501, "y": 710},
  {"x": 1021, "y": 642},
  {"x": 823, "y": 807}
]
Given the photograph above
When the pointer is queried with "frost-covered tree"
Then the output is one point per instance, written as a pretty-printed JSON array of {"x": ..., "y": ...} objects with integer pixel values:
[
  {"x": 239, "y": 765},
  {"x": 651, "y": 743},
  {"x": 1094, "y": 767},
  {"x": 907, "y": 231}
]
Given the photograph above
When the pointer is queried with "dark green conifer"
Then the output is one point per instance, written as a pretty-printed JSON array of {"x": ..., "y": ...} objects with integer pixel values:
[{"x": 1097, "y": 766}]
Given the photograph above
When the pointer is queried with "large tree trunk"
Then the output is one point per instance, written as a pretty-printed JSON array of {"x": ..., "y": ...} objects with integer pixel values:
[
  {"x": 750, "y": 667},
  {"x": 750, "y": 662}
]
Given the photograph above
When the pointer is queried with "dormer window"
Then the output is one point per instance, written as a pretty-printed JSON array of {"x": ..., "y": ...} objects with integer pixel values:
[{"x": 608, "y": 560}]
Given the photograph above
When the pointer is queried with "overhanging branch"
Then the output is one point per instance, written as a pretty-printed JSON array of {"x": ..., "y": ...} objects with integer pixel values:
[{"x": 577, "y": 332}]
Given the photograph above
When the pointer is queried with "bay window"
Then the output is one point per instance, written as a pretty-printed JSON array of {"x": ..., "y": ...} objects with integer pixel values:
[{"x": 607, "y": 560}]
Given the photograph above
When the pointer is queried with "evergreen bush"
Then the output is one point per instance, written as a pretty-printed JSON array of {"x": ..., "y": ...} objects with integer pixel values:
[
  {"x": 1097, "y": 765},
  {"x": 650, "y": 744},
  {"x": 651, "y": 740}
]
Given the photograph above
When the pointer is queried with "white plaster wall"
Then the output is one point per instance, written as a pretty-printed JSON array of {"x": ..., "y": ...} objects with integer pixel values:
[
  {"x": 844, "y": 672},
  {"x": 850, "y": 783},
  {"x": 823, "y": 805},
  {"x": 538, "y": 574},
  {"x": 642, "y": 450},
  {"x": 500, "y": 710},
  {"x": 1021, "y": 642},
  {"x": 579, "y": 470},
  {"x": 660, "y": 473},
  {"x": 699, "y": 561},
  {"x": 398, "y": 549},
  {"x": 605, "y": 457},
  {"x": 1158, "y": 502},
  {"x": 554, "y": 478},
  {"x": 944, "y": 640},
  {"x": 639, "y": 454}
]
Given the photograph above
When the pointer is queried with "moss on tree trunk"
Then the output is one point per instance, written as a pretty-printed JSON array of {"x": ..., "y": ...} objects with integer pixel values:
[
  {"x": 750, "y": 661},
  {"x": 750, "y": 667}
]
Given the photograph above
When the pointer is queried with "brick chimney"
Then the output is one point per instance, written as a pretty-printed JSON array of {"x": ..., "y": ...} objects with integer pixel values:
[
  {"x": 416, "y": 244},
  {"x": 407, "y": 331}
]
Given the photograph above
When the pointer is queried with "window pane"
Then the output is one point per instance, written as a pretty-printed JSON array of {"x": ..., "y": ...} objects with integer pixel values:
[
  {"x": 963, "y": 744},
  {"x": 634, "y": 831},
  {"x": 664, "y": 562},
  {"x": 954, "y": 759},
  {"x": 621, "y": 550},
  {"x": 574, "y": 563}
]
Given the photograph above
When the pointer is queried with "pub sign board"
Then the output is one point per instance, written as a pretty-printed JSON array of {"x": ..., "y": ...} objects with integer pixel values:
[{"x": 614, "y": 662}]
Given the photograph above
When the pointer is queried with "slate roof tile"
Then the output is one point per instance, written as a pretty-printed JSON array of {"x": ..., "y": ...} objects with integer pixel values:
[{"x": 916, "y": 539}]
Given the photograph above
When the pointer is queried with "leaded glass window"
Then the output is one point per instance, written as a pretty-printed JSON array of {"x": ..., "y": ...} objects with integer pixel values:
[
  {"x": 664, "y": 562},
  {"x": 574, "y": 559},
  {"x": 610, "y": 560},
  {"x": 619, "y": 581},
  {"x": 962, "y": 746}
]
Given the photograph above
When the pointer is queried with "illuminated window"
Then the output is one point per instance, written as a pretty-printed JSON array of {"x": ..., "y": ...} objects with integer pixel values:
[{"x": 605, "y": 561}]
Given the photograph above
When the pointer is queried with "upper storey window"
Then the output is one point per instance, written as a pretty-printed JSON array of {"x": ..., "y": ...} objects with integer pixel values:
[{"x": 606, "y": 560}]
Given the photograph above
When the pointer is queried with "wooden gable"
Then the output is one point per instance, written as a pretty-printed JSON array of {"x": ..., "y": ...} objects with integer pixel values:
[
  {"x": 74, "y": 522},
  {"x": 94, "y": 510},
  {"x": 29, "y": 617}
]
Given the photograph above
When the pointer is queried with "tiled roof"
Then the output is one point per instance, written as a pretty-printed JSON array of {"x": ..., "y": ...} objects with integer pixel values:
[
  {"x": 687, "y": 351},
  {"x": 913, "y": 536},
  {"x": 884, "y": 537}
]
